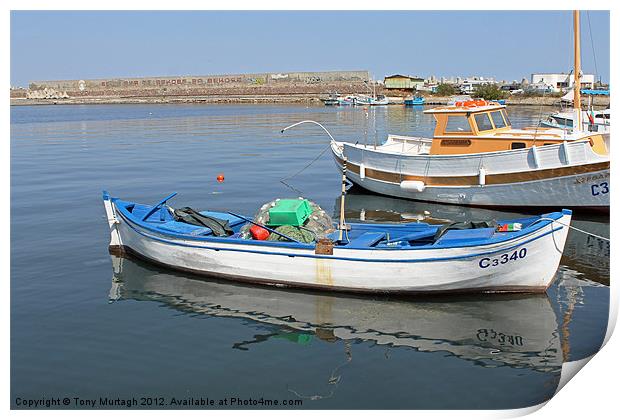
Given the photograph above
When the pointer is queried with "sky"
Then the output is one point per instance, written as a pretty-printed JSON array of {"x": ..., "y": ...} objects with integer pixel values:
[{"x": 507, "y": 45}]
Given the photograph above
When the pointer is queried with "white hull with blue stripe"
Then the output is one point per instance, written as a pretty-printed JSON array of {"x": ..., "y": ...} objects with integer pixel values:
[{"x": 379, "y": 258}]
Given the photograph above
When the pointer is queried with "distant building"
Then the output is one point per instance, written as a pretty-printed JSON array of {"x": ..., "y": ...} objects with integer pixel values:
[
  {"x": 203, "y": 85},
  {"x": 399, "y": 81},
  {"x": 562, "y": 81},
  {"x": 510, "y": 87},
  {"x": 469, "y": 85},
  {"x": 539, "y": 87}
]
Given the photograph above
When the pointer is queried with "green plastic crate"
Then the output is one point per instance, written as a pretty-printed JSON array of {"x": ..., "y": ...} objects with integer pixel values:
[{"x": 292, "y": 212}]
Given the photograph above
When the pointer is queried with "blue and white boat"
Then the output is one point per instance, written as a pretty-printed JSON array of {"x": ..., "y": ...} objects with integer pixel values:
[
  {"x": 371, "y": 258},
  {"x": 372, "y": 100},
  {"x": 347, "y": 100},
  {"x": 416, "y": 100}
]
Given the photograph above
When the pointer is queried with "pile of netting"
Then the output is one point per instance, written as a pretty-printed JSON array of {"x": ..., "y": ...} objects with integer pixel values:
[{"x": 316, "y": 226}]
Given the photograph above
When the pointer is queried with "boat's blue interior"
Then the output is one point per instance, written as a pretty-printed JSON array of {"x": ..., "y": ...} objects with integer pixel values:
[{"x": 360, "y": 236}]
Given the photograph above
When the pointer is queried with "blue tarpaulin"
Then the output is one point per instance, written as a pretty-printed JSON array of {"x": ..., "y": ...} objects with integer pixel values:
[{"x": 595, "y": 92}]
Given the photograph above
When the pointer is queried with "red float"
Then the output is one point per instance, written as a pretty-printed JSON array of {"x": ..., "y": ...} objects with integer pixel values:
[{"x": 259, "y": 233}]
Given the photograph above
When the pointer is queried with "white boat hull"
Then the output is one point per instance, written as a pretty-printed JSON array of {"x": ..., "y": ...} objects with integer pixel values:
[
  {"x": 566, "y": 175},
  {"x": 569, "y": 191},
  {"x": 526, "y": 263}
]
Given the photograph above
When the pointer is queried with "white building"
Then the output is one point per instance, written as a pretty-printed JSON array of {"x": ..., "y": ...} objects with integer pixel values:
[
  {"x": 469, "y": 85},
  {"x": 562, "y": 81}
]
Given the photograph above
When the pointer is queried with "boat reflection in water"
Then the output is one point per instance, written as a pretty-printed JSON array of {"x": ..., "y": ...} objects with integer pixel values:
[
  {"x": 519, "y": 331},
  {"x": 587, "y": 255}
]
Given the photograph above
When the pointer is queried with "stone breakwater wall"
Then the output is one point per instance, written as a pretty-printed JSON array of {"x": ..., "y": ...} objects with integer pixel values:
[{"x": 259, "y": 84}]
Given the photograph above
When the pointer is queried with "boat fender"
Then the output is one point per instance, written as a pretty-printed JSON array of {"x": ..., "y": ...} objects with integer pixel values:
[
  {"x": 482, "y": 176},
  {"x": 535, "y": 157},
  {"x": 414, "y": 186},
  {"x": 565, "y": 152},
  {"x": 362, "y": 171},
  {"x": 259, "y": 233}
]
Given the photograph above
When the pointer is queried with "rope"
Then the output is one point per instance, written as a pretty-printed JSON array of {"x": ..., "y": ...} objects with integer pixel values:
[
  {"x": 577, "y": 229},
  {"x": 283, "y": 180},
  {"x": 592, "y": 42}
]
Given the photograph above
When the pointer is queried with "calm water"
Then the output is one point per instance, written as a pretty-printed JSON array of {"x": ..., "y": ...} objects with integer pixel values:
[{"x": 88, "y": 325}]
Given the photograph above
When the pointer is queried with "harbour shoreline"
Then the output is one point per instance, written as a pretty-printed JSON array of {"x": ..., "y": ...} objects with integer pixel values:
[{"x": 256, "y": 99}]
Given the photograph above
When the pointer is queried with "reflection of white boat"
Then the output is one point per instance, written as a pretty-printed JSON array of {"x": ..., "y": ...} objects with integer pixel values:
[
  {"x": 586, "y": 254},
  {"x": 520, "y": 331},
  {"x": 589, "y": 255}
]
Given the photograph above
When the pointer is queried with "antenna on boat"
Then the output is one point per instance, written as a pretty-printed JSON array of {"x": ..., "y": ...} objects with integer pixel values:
[
  {"x": 311, "y": 122},
  {"x": 577, "y": 77}
]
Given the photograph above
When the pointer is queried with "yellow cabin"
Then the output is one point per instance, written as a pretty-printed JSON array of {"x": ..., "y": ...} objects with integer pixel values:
[{"x": 480, "y": 126}]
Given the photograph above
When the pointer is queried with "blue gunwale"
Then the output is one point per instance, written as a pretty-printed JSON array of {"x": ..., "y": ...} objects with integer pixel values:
[
  {"x": 134, "y": 221},
  {"x": 333, "y": 257}
]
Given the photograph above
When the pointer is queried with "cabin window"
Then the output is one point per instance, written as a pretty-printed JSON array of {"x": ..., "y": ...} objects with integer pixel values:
[
  {"x": 457, "y": 124},
  {"x": 483, "y": 122},
  {"x": 498, "y": 121},
  {"x": 506, "y": 117},
  {"x": 517, "y": 145}
]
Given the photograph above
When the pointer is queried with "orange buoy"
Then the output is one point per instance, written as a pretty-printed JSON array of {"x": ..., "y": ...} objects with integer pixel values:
[
  {"x": 459, "y": 103},
  {"x": 259, "y": 233},
  {"x": 469, "y": 103},
  {"x": 220, "y": 178},
  {"x": 480, "y": 102}
]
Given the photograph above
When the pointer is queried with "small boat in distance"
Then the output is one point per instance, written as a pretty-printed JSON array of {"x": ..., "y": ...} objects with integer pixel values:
[
  {"x": 593, "y": 121},
  {"x": 520, "y": 255},
  {"x": 349, "y": 100},
  {"x": 416, "y": 100},
  {"x": 331, "y": 100},
  {"x": 372, "y": 100},
  {"x": 458, "y": 98}
]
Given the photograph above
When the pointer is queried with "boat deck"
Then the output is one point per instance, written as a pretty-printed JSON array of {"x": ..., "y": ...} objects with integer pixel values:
[{"x": 360, "y": 236}]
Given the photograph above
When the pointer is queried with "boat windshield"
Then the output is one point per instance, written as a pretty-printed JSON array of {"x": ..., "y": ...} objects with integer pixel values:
[
  {"x": 498, "y": 121},
  {"x": 483, "y": 122},
  {"x": 506, "y": 117},
  {"x": 457, "y": 124}
]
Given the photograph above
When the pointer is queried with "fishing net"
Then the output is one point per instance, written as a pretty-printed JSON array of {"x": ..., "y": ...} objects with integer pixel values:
[{"x": 317, "y": 226}]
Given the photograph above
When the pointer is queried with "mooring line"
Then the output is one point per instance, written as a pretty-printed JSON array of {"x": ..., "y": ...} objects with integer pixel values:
[
  {"x": 577, "y": 229},
  {"x": 283, "y": 180}
]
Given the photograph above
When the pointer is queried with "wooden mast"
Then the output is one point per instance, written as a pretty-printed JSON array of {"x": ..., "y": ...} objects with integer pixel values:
[
  {"x": 342, "y": 227},
  {"x": 577, "y": 83}
]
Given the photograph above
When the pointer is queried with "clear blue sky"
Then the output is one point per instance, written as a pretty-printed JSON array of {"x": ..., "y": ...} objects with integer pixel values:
[{"x": 506, "y": 44}]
